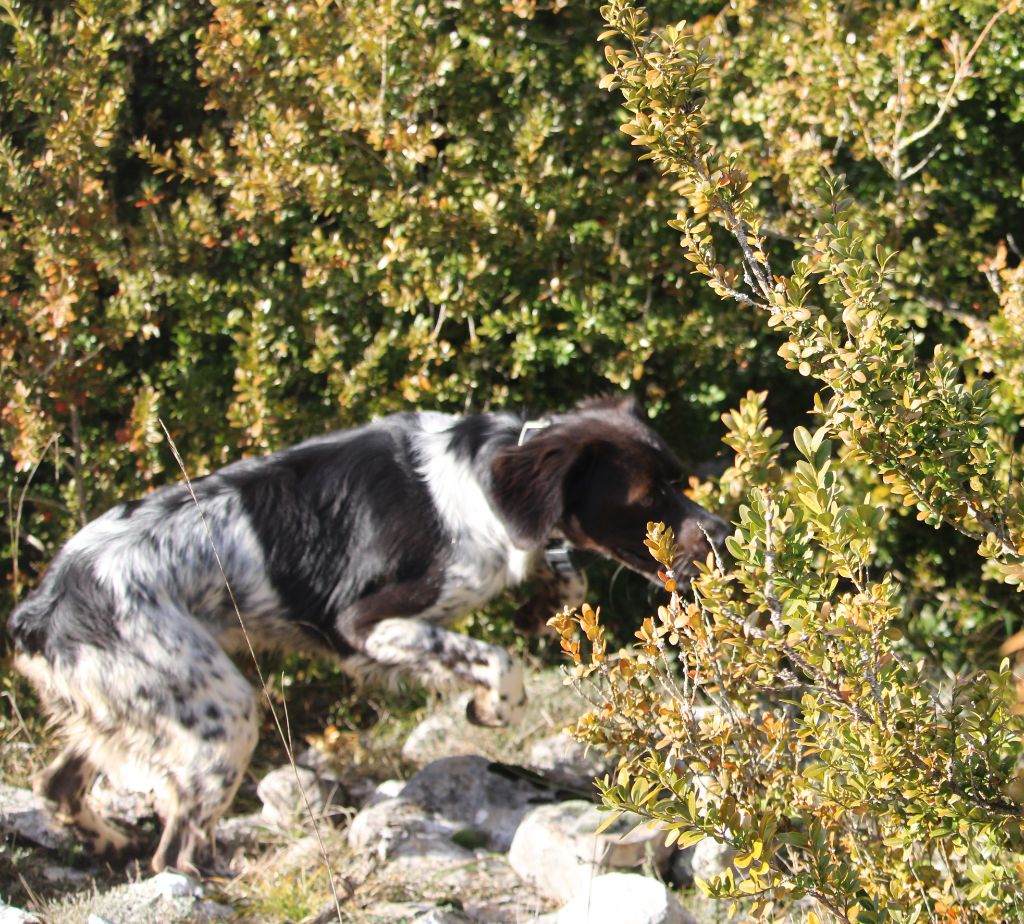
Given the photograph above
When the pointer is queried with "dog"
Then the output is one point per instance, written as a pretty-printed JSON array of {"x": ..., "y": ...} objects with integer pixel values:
[{"x": 362, "y": 545}]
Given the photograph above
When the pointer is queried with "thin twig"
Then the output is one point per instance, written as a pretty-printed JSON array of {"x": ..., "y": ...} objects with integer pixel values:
[
  {"x": 15, "y": 526},
  {"x": 962, "y": 72},
  {"x": 921, "y": 164},
  {"x": 21, "y": 720},
  {"x": 774, "y": 606}
]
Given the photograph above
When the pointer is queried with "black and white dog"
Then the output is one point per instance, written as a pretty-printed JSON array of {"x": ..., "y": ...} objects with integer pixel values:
[{"x": 361, "y": 544}]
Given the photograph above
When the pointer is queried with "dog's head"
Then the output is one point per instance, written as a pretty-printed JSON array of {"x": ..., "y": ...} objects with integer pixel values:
[{"x": 600, "y": 475}]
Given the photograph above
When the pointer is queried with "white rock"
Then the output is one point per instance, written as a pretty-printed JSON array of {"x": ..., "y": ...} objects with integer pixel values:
[
  {"x": 545, "y": 854},
  {"x": 322, "y": 762},
  {"x": 556, "y": 850},
  {"x": 96, "y": 919},
  {"x": 623, "y": 898},
  {"x": 11, "y": 915},
  {"x": 282, "y": 797},
  {"x": 473, "y": 792},
  {"x": 627, "y": 842},
  {"x": 709, "y": 858},
  {"x": 389, "y": 789},
  {"x": 169, "y": 884},
  {"x": 23, "y": 813}
]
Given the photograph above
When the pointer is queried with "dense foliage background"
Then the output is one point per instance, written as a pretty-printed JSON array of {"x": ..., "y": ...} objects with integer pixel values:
[{"x": 259, "y": 219}]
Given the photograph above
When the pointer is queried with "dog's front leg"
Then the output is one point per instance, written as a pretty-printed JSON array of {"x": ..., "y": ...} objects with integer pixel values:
[{"x": 441, "y": 659}]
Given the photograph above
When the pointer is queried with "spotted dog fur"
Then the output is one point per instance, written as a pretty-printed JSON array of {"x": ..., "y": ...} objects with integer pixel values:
[{"x": 362, "y": 545}]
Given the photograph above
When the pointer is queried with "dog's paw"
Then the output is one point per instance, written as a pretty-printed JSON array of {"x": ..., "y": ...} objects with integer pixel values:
[{"x": 504, "y": 702}]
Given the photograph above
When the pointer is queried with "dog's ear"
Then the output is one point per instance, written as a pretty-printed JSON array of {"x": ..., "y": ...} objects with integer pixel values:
[{"x": 528, "y": 484}]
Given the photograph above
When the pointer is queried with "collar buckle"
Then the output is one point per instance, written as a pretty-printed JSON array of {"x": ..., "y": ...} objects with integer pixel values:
[
  {"x": 560, "y": 559},
  {"x": 531, "y": 427}
]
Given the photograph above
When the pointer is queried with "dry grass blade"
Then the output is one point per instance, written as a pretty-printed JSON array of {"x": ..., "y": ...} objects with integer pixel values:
[
  {"x": 21, "y": 719},
  {"x": 16, "y": 518}
]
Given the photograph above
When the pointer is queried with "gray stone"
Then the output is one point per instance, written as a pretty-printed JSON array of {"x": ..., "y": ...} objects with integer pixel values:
[
  {"x": 215, "y": 911},
  {"x": 473, "y": 792},
  {"x": 244, "y": 833},
  {"x": 398, "y": 827},
  {"x": 24, "y": 814},
  {"x": 64, "y": 874},
  {"x": 412, "y": 913},
  {"x": 557, "y": 851},
  {"x": 623, "y": 898},
  {"x": 411, "y": 848},
  {"x": 281, "y": 792}
]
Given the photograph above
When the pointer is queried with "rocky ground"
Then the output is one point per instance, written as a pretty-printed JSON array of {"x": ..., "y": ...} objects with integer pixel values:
[{"x": 490, "y": 826}]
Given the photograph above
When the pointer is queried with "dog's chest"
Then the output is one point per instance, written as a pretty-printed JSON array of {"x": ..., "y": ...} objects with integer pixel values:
[
  {"x": 475, "y": 575},
  {"x": 480, "y": 559}
]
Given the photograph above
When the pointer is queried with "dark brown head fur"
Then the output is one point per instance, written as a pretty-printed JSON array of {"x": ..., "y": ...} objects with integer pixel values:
[{"x": 599, "y": 474}]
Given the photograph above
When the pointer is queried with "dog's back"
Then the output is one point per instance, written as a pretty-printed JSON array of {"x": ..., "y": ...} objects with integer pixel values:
[{"x": 291, "y": 539}]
